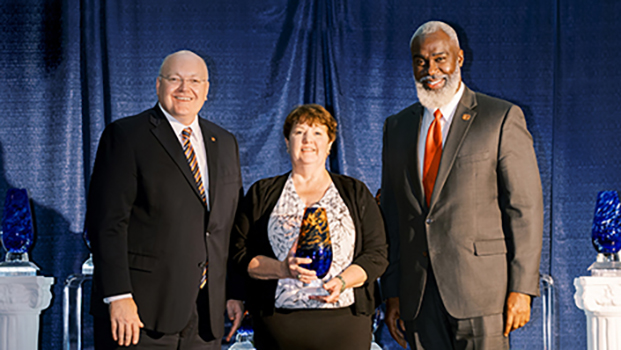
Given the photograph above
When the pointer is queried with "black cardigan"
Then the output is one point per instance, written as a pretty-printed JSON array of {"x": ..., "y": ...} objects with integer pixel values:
[{"x": 249, "y": 239}]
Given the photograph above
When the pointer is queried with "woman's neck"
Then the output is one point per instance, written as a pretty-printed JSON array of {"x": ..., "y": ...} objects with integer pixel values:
[{"x": 310, "y": 184}]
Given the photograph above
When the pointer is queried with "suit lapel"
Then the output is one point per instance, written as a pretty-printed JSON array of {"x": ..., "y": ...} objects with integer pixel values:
[
  {"x": 459, "y": 128},
  {"x": 167, "y": 138},
  {"x": 416, "y": 184},
  {"x": 211, "y": 148}
]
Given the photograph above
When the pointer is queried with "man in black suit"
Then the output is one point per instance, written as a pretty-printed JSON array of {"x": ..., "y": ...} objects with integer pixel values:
[{"x": 161, "y": 205}]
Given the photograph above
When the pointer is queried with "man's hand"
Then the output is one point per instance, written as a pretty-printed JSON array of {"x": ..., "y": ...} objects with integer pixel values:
[
  {"x": 396, "y": 327},
  {"x": 517, "y": 311},
  {"x": 125, "y": 321},
  {"x": 235, "y": 310}
]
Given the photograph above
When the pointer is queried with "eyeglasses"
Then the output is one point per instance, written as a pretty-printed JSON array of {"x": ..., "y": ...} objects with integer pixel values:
[{"x": 175, "y": 80}]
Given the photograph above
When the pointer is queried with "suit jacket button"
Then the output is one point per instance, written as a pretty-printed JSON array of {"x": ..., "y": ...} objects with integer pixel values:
[
  {"x": 429, "y": 221},
  {"x": 425, "y": 254},
  {"x": 207, "y": 234}
]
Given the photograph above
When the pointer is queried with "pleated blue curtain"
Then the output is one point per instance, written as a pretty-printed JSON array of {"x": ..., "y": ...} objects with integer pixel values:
[
  {"x": 41, "y": 145},
  {"x": 586, "y": 150},
  {"x": 69, "y": 67}
]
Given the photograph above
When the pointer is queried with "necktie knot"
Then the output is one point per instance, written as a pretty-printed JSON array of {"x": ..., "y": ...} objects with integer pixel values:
[
  {"x": 186, "y": 133},
  {"x": 437, "y": 114}
]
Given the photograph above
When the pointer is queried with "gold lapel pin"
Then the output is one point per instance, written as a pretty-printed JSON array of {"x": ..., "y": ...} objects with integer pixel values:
[
  {"x": 466, "y": 117},
  {"x": 213, "y": 139}
]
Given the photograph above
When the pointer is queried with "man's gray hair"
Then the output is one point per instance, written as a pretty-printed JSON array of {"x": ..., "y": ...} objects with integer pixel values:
[{"x": 434, "y": 26}]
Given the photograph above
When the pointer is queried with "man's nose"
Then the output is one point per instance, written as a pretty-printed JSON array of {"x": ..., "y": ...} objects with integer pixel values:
[{"x": 432, "y": 69}]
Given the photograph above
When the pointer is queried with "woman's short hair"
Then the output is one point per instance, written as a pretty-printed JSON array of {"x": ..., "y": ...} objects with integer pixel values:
[{"x": 311, "y": 114}]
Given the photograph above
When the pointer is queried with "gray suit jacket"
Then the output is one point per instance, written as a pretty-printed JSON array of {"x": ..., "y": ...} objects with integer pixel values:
[{"x": 482, "y": 232}]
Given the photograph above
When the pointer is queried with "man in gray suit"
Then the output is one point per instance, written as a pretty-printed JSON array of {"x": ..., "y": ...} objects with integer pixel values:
[{"x": 461, "y": 195}]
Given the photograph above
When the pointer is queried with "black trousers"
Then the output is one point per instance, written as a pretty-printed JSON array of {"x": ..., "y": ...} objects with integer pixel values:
[
  {"x": 196, "y": 335},
  {"x": 435, "y": 329},
  {"x": 312, "y": 329}
]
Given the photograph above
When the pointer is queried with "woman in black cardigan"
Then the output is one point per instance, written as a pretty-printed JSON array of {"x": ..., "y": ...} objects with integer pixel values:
[{"x": 264, "y": 241}]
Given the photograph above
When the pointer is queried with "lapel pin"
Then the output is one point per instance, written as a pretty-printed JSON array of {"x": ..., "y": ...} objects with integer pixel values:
[
  {"x": 466, "y": 117},
  {"x": 213, "y": 139}
]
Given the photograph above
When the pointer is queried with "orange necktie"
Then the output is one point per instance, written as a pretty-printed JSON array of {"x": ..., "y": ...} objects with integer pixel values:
[{"x": 433, "y": 153}]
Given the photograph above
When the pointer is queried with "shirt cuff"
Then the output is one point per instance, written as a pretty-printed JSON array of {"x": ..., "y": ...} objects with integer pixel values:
[{"x": 108, "y": 300}]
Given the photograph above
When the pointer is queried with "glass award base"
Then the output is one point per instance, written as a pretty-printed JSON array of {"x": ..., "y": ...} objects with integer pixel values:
[
  {"x": 18, "y": 265},
  {"x": 374, "y": 345},
  {"x": 87, "y": 267},
  {"x": 606, "y": 265},
  {"x": 314, "y": 288}
]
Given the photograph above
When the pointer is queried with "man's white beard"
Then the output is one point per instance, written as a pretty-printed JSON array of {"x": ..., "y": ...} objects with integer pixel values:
[{"x": 434, "y": 99}]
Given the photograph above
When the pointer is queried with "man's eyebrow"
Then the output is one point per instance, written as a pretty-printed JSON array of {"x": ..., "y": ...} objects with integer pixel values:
[{"x": 416, "y": 55}]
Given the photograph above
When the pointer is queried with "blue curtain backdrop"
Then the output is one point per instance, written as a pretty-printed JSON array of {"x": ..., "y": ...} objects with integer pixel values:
[{"x": 69, "y": 67}]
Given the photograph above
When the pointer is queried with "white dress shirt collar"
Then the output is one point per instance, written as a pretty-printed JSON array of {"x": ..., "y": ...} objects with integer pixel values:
[{"x": 177, "y": 125}]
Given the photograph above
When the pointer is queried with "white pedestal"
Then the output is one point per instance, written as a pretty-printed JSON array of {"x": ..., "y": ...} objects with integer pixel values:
[
  {"x": 600, "y": 298},
  {"x": 22, "y": 298}
]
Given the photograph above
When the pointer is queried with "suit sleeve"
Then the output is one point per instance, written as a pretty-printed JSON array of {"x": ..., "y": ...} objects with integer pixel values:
[
  {"x": 521, "y": 203},
  {"x": 111, "y": 195},
  {"x": 390, "y": 279},
  {"x": 246, "y": 217},
  {"x": 236, "y": 278},
  {"x": 373, "y": 257}
]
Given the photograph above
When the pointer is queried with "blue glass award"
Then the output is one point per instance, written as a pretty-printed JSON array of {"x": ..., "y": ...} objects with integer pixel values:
[
  {"x": 606, "y": 234},
  {"x": 314, "y": 242},
  {"x": 17, "y": 234}
]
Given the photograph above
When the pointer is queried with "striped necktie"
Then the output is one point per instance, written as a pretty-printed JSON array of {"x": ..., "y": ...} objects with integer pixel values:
[{"x": 188, "y": 150}]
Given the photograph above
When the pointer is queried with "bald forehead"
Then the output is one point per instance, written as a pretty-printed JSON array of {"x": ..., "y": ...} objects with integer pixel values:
[{"x": 184, "y": 57}]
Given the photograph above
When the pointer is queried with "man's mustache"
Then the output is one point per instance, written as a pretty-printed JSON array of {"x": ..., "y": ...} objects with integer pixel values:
[{"x": 433, "y": 77}]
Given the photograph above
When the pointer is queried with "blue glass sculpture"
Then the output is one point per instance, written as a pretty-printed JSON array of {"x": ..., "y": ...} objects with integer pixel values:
[
  {"x": 314, "y": 241},
  {"x": 17, "y": 234},
  {"x": 606, "y": 233}
]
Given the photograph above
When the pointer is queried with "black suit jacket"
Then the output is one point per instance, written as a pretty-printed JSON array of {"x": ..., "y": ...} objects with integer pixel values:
[{"x": 149, "y": 228}]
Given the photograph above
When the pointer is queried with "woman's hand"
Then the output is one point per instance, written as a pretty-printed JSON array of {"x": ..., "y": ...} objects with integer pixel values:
[
  {"x": 353, "y": 276},
  {"x": 265, "y": 268},
  {"x": 294, "y": 270},
  {"x": 333, "y": 287}
]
